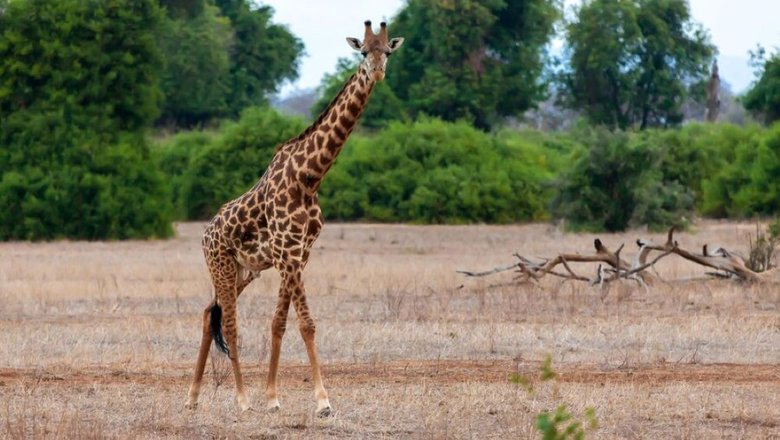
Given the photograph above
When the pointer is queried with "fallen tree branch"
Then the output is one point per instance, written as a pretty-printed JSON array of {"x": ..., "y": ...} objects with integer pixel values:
[
  {"x": 719, "y": 259},
  {"x": 488, "y": 272},
  {"x": 612, "y": 267}
]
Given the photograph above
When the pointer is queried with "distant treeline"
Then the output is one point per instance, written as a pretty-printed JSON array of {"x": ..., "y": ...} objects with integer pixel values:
[
  {"x": 85, "y": 85},
  {"x": 432, "y": 171}
]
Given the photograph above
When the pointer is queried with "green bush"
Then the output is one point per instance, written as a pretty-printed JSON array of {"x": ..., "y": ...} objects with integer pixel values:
[
  {"x": 85, "y": 187},
  {"x": 619, "y": 180},
  {"x": 746, "y": 183},
  {"x": 224, "y": 169},
  {"x": 432, "y": 171},
  {"x": 174, "y": 157}
]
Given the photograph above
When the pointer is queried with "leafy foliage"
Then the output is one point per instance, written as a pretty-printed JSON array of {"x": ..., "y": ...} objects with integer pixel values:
[
  {"x": 560, "y": 424},
  {"x": 174, "y": 156},
  {"x": 63, "y": 181},
  {"x": 745, "y": 183},
  {"x": 73, "y": 158},
  {"x": 223, "y": 169},
  {"x": 431, "y": 171},
  {"x": 196, "y": 77},
  {"x": 76, "y": 55},
  {"x": 633, "y": 63},
  {"x": 262, "y": 56},
  {"x": 549, "y": 424},
  {"x": 184, "y": 8},
  {"x": 763, "y": 99},
  {"x": 221, "y": 57},
  {"x": 618, "y": 180},
  {"x": 472, "y": 60}
]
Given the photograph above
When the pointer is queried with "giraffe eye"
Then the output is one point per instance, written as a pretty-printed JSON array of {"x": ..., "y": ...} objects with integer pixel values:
[{"x": 364, "y": 53}]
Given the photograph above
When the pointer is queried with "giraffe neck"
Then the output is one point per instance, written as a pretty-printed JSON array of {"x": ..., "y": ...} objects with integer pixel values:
[{"x": 320, "y": 144}]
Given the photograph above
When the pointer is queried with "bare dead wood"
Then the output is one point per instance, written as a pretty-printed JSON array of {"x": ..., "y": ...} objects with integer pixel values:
[
  {"x": 720, "y": 259},
  {"x": 488, "y": 272},
  {"x": 612, "y": 267}
]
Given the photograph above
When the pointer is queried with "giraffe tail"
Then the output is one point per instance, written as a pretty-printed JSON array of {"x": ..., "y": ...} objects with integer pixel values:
[{"x": 216, "y": 328}]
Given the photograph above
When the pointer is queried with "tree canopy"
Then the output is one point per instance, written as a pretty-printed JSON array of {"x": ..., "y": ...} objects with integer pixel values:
[
  {"x": 263, "y": 54},
  {"x": 196, "y": 77},
  {"x": 221, "y": 57},
  {"x": 473, "y": 60},
  {"x": 633, "y": 63},
  {"x": 96, "y": 59},
  {"x": 78, "y": 85},
  {"x": 763, "y": 98}
]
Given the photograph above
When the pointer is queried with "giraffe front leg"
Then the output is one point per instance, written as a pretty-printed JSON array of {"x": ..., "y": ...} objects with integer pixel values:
[
  {"x": 308, "y": 330},
  {"x": 278, "y": 326}
]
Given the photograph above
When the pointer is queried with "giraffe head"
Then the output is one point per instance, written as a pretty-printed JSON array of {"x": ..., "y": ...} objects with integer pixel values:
[{"x": 375, "y": 49}]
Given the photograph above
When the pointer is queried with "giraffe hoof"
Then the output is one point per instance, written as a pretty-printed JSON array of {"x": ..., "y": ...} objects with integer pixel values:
[
  {"x": 274, "y": 407},
  {"x": 191, "y": 405},
  {"x": 243, "y": 405},
  {"x": 325, "y": 412}
]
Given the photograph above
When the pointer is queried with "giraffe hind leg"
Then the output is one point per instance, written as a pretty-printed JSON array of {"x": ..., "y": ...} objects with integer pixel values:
[
  {"x": 203, "y": 353},
  {"x": 223, "y": 319},
  {"x": 230, "y": 331}
]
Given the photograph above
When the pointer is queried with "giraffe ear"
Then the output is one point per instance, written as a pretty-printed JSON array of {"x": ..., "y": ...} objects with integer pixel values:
[
  {"x": 354, "y": 43},
  {"x": 395, "y": 43}
]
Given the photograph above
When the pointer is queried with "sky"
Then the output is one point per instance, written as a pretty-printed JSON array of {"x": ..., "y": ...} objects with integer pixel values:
[{"x": 735, "y": 26}]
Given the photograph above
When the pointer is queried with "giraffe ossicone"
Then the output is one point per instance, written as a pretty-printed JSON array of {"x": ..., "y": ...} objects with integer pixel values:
[{"x": 275, "y": 223}]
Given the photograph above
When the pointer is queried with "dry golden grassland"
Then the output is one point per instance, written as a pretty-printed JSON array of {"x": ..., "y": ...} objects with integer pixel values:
[{"x": 98, "y": 340}]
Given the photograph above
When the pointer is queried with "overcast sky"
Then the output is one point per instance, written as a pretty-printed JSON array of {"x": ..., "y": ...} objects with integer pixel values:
[{"x": 736, "y": 26}]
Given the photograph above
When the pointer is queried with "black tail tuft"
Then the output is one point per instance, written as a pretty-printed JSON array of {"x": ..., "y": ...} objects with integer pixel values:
[{"x": 216, "y": 328}]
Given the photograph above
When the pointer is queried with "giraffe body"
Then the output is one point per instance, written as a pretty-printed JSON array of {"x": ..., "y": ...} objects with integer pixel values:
[{"x": 276, "y": 222}]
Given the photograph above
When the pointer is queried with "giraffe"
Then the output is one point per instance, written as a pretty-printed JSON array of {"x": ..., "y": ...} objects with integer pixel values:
[{"x": 275, "y": 223}]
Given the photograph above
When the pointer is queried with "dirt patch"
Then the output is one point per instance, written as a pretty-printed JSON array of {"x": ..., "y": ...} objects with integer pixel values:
[{"x": 434, "y": 372}]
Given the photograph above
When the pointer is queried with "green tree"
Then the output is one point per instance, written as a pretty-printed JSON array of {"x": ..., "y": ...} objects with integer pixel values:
[
  {"x": 95, "y": 58},
  {"x": 473, "y": 60},
  {"x": 196, "y": 78},
  {"x": 262, "y": 56},
  {"x": 383, "y": 107},
  {"x": 184, "y": 8},
  {"x": 78, "y": 86},
  {"x": 632, "y": 63},
  {"x": 763, "y": 99}
]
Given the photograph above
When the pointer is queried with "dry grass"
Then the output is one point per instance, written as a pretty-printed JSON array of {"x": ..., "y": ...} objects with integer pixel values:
[{"x": 99, "y": 341}]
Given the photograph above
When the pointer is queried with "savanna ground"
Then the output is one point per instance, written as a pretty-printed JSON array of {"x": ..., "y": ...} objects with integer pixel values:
[{"x": 99, "y": 340}]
